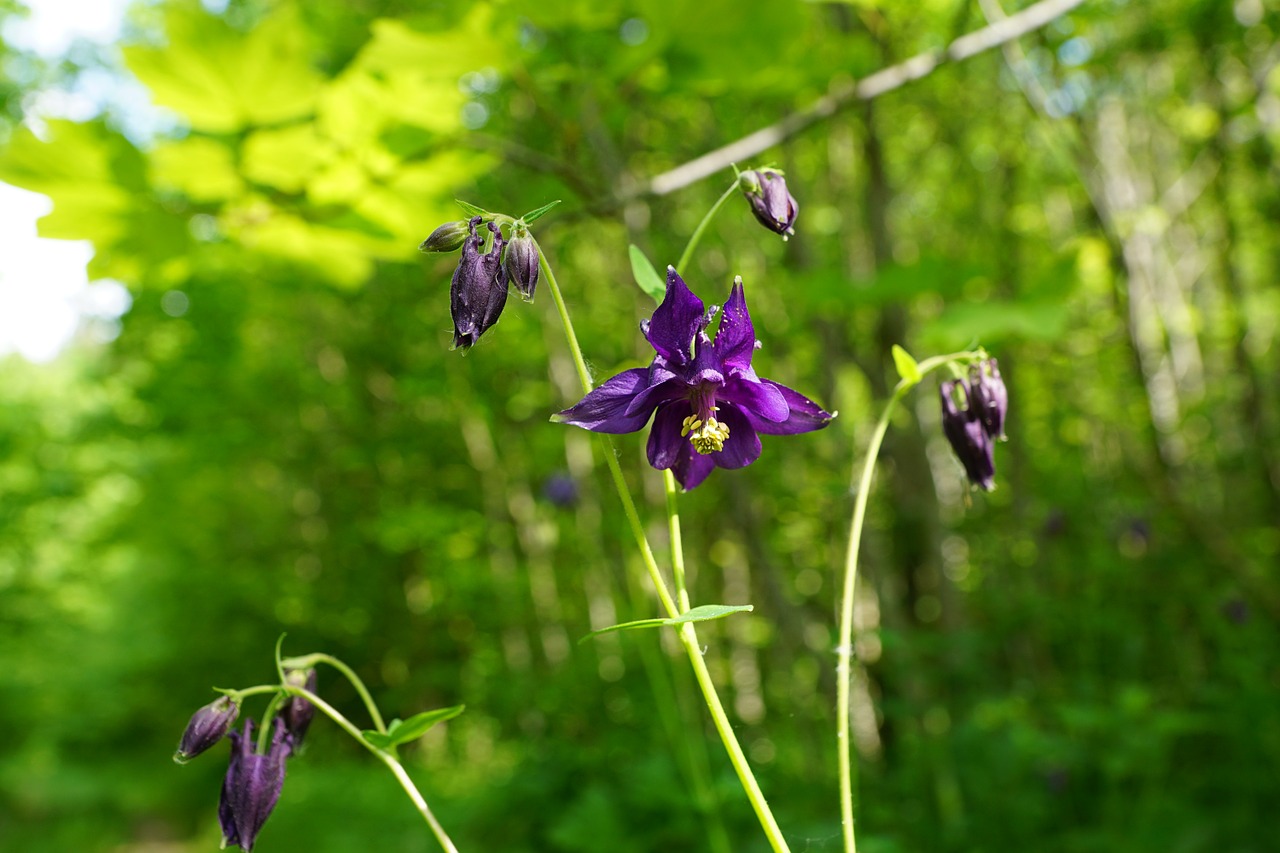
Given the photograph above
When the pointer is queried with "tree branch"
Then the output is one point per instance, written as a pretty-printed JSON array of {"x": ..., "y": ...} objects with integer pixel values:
[{"x": 885, "y": 80}]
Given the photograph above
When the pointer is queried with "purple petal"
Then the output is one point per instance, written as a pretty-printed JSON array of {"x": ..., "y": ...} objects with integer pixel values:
[
  {"x": 805, "y": 415},
  {"x": 691, "y": 467},
  {"x": 655, "y": 395},
  {"x": 743, "y": 445},
  {"x": 676, "y": 322},
  {"x": 665, "y": 440},
  {"x": 761, "y": 398},
  {"x": 736, "y": 338},
  {"x": 255, "y": 790},
  {"x": 605, "y": 408}
]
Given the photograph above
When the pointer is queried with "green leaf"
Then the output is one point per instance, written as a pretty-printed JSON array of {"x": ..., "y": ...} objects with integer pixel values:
[
  {"x": 538, "y": 214},
  {"x": 470, "y": 209},
  {"x": 703, "y": 613},
  {"x": 404, "y": 731},
  {"x": 645, "y": 275},
  {"x": 907, "y": 367}
]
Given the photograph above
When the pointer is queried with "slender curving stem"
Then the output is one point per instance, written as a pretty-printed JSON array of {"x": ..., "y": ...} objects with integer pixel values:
[
  {"x": 306, "y": 661},
  {"x": 844, "y": 649},
  {"x": 696, "y": 237},
  {"x": 688, "y": 636},
  {"x": 389, "y": 759}
]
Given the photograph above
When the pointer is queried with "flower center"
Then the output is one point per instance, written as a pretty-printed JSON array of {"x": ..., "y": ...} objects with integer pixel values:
[
  {"x": 706, "y": 436},
  {"x": 705, "y": 433}
]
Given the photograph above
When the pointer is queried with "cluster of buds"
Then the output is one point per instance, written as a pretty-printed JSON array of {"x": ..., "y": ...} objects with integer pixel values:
[
  {"x": 974, "y": 428},
  {"x": 771, "y": 202},
  {"x": 478, "y": 292},
  {"x": 254, "y": 778}
]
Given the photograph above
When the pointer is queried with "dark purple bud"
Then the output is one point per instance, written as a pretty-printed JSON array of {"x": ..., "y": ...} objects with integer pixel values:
[
  {"x": 208, "y": 726},
  {"x": 449, "y": 237},
  {"x": 990, "y": 398},
  {"x": 772, "y": 204},
  {"x": 252, "y": 786},
  {"x": 297, "y": 712},
  {"x": 967, "y": 435},
  {"x": 479, "y": 290},
  {"x": 521, "y": 264}
]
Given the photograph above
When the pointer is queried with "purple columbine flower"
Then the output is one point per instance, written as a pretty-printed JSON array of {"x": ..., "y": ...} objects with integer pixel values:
[
  {"x": 297, "y": 712},
  {"x": 772, "y": 204},
  {"x": 990, "y": 397},
  {"x": 479, "y": 290},
  {"x": 252, "y": 786},
  {"x": 711, "y": 407},
  {"x": 968, "y": 435},
  {"x": 208, "y": 726}
]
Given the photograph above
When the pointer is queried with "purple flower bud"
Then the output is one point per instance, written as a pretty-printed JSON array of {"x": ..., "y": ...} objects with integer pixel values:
[
  {"x": 772, "y": 204},
  {"x": 561, "y": 490},
  {"x": 252, "y": 786},
  {"x": 969, "y": 438},
  {"x": 521, "y": 263},
  {"x": 208, "y": 726},
  {"x": 297, "y": 712},
  {"x": 449, "y": 237},
  {"x": 990, "y": 398},
  {"x": 479, "y": 290}
]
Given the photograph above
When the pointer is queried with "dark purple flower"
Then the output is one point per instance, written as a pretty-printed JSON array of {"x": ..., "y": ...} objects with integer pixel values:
[
  {"x": 252, "y": 785},
  {"x": 772, "y": 204},
  {"x": 297, "y": 712},
  {"x": 967, "y": 434},
  {"x": 521, "y": 263},
  {"x": 990, "y": 397},
  {"x": 208, "y": 726},
  {"x": 479, "y": 290},
  {"x": 711, "y": 406}
]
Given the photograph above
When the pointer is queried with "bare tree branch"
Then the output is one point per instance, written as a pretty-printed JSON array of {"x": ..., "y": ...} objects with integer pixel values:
[{"x": 885, "y": 80}]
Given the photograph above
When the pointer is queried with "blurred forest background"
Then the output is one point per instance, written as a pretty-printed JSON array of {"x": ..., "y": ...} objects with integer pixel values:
[{"x": 276, "y": 437}]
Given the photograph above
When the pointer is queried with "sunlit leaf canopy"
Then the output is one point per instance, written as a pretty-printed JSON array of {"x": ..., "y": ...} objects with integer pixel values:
[{"x": 276, "y": 436}]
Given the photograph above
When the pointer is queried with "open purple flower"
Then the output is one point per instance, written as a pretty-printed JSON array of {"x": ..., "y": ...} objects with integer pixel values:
[
  {"x": 711, "y": 407},
  {"x": 252, "y": 785}
]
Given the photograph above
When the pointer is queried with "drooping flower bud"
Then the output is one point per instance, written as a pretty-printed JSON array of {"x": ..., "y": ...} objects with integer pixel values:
[
  {"x": 990, "y": 397},
  {"x": 252, "y": 786},
  {"x": 967, "y": 435},
  {"x": 449, "y": 237},
  {"x": 297, "y": 712},
  {"x": 773, "y": 206},
  {"x": 521, "y": 263},
  {"x": 208, "y": 726},
  {"x": 479, "y": 290}
]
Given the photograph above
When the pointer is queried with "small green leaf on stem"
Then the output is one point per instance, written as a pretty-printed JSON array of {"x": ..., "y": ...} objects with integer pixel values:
[
  {"x": 703, "y": 613},
  {"x": 539, "y": 213},
  {"x": 404, "y": 731},
  {"x": 646, "y": 276},
  {"x": 908, "y": 369},
  {"x": 470, "y": 209}
]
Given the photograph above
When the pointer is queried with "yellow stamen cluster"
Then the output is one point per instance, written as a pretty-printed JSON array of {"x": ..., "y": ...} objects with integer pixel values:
[{"x": 705, "y": 437}]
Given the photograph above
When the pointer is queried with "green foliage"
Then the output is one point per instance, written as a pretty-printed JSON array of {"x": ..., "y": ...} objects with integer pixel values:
[
  {"x": 701, "y": 613},
  {"x": 1083, "y": 660}
]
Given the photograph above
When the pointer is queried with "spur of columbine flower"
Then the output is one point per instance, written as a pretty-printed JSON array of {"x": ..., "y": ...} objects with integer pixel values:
[{"x": 710, "y": 405}]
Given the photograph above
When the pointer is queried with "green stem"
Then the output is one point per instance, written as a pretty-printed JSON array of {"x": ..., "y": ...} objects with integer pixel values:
[
  {"x": 677, "y": 543},
  {"x": 387, "y": 758},
  {"x": 610, "y": 455},
  {"x": 702, "y": 226},
  {"x": 688, "y": 635},
  {"x": 308, "y": 661},
  {"x": 844, "y": 648}
]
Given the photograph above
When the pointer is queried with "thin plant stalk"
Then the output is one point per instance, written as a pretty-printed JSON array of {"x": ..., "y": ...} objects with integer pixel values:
[
  {"x": 388, "y": 758},
  {"x": 844, "y": 648},
  {"x": 696, "y": 237},
  {"x": 306, "y": 661},
  {"x": 688, "y": 636}
]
